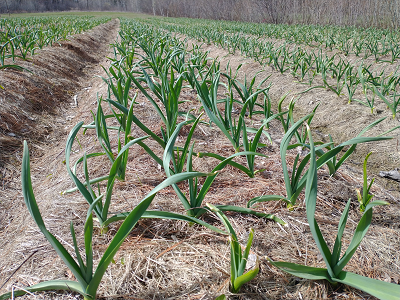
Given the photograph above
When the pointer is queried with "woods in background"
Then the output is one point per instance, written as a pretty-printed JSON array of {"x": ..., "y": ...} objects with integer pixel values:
[{"x": 380, "y": 13}]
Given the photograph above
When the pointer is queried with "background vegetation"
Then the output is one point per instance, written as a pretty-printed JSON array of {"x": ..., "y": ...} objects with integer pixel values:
[{"x": 381, "y": 13}]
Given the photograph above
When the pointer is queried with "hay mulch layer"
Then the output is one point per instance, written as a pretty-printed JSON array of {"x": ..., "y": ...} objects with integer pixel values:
[{"x": 172, "y": 260}]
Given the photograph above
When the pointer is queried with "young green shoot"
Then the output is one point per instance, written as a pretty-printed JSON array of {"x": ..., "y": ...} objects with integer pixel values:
[
  {"x": 366, "y": 197},
  {"x": 238, "y": 257}
]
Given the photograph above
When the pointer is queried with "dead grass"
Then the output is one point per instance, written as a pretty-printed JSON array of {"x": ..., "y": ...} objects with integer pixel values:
[{"x": 172, "y": 260}]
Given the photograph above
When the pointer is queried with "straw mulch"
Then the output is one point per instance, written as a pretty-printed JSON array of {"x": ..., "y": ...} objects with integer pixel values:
[{"x": 172, "y": 260}]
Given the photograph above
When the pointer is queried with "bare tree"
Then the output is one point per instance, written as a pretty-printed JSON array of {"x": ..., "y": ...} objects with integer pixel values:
[
  {"x": 382, "y": 13},
  {"x": 8, "y": 9}
]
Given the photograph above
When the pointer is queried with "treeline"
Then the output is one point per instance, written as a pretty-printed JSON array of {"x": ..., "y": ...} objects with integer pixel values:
[
  {"x": 380, "y": 13},
  {"x": 15, "y": 6}
]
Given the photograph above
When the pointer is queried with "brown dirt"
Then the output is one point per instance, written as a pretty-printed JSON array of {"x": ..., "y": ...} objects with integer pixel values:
[{"x": 171, "y": 260}]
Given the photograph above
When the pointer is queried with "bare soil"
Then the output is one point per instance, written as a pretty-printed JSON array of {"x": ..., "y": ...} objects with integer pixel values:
[{"x": 166, "y": 259}]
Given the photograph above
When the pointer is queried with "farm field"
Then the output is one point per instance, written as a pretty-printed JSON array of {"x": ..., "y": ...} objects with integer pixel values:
[{"x": 189, "y": 129}]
